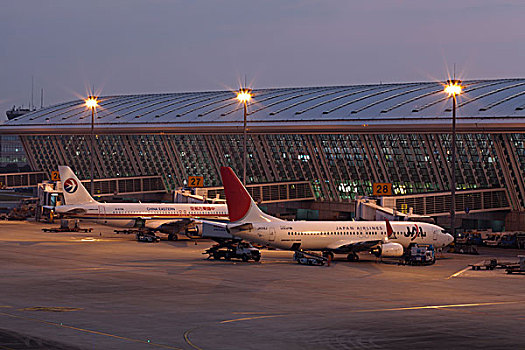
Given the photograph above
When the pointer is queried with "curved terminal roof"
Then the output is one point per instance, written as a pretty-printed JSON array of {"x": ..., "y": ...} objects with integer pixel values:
[{"x": 485, "y": 105}]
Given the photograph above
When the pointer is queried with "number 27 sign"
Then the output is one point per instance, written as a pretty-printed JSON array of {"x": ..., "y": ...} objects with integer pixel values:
[
  {"x": 382, "y": 189},
  {"x": 195, "y": 181}
]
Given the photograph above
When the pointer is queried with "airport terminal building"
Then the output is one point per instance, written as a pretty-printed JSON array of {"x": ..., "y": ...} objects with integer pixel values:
[{"x": 338, "y": 139}]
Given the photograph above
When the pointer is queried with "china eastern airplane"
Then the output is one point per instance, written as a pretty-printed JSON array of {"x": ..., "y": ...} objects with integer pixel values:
[
  {"x": 385, "y": 239},
  {"x": 166, "y": 218}
]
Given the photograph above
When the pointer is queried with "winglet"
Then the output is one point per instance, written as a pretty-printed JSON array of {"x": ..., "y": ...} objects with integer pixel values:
[{"x": 389, "y": 229}]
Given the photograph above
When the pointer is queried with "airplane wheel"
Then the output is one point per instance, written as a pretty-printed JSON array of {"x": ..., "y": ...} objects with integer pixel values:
[
  {"x": 352, "y": 257},
  {"x": 173, "y": 237}
]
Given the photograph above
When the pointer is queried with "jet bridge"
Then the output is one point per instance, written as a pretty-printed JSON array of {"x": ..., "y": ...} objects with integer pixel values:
[{"x": 425, "y": 206}]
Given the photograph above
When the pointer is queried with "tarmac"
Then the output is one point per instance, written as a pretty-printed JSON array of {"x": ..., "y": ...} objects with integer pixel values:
[{"x": 100, "y": 290}]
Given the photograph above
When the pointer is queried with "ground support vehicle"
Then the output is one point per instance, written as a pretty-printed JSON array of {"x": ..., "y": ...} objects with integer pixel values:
[
  {"x": 143, "y": 235},
  {"x": 68, "y": 226},
  {"x": 147, "y": 236},
  {"x": 233, "y": 250},
  {"x": 305, "y": 258},
  {"x": 419, "y": 254},
  {"x": 489, "y": 264},
  {"x": 517, "y": 268},
  {"x": 126, "y": 232},
  {"x": 464, "y": 248},
  {"x": 508, "y": 240}
]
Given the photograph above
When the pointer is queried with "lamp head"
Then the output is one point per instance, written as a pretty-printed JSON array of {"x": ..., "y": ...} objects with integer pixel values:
[
  {"x": 244, "y": 95},
  {"x": 91, "y": 102},
  {"x": 453, "y": 87}
]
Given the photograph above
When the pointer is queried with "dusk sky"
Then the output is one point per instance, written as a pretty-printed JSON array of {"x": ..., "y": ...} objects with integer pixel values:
[{"x": 131, "y": 46}]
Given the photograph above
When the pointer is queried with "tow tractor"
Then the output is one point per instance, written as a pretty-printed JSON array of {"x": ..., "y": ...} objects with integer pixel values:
[
  {"x": 305, "y": 258},
  {"x": 231, "y": 249},
  {"x": 419, "y": 254}
]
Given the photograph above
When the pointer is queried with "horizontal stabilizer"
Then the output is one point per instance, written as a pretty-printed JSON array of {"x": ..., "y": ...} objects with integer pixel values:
[
  {"x": 242, "y": 227},
  {"x": 74, "y": 211}
]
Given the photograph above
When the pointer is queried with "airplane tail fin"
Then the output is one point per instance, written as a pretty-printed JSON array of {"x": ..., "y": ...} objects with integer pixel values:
[
  {"x": 74, "y": 191},
  {"x": 389, "y": 229},
  {"x": 241, "y": 207}
]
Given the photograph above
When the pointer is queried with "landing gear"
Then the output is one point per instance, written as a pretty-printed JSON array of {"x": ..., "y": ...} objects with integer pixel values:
[
  {"x": 352, "y": 257},
  {"x": 173, "y": 237}
]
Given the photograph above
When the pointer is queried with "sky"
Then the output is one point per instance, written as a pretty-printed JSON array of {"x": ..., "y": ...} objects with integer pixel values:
[{"x": 148, "y": 46}]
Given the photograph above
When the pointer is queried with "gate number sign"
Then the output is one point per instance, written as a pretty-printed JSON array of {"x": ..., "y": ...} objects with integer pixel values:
[
  {"x": 382, "y": 189},
  {"x": 195, "y": 181},
  {"x": 55, "y": 176}
]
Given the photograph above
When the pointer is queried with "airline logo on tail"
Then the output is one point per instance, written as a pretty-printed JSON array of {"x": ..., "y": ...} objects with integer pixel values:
[
  {"x": 74, "y": 191},
  {"x": 70, "y": 185}
]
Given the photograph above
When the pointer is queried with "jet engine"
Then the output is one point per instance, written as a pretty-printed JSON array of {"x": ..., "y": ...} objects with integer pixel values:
[{"x": 388, "y": 250}]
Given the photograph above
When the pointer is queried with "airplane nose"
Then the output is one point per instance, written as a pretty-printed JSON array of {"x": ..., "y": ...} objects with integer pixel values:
[{"x": 450, "y": 239}]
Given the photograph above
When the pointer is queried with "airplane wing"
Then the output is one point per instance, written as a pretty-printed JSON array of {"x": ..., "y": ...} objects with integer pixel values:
[
  {"x": 71, "y": 211},
  {"x": 172, "y": 225},
  {"x": 345, "y": 246}
]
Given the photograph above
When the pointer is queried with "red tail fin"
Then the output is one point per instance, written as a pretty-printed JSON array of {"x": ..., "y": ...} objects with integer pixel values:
[
  {"x": 237, "y": 198},
  {"x": 389, "y": 229}
]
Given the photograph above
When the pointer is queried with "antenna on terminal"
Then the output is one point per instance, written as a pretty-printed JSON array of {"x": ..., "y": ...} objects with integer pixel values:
[
  {"x": 42, "y": 98},
  {"x": 31, "y": 106}
]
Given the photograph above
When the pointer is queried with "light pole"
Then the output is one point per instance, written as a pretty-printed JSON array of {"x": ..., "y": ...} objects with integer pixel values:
[
  {"x": 92, "y": 102},
  {"x": 244, "y": 95},
  {"x": 453, "y": 88}
]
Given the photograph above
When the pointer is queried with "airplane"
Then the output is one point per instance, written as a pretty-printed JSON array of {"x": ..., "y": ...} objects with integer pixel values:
[
  {"x": 169, "y": 218},
  {"x": 384, "y": 239}
]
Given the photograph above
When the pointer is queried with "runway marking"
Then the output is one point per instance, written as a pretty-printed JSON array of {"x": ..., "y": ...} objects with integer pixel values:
[
  {"x": 51, "y": 308},
  {"x": 61, "y": 325},
  {"x": 250, "y": 318},
  {"x": 188, "y": 341},
  {"x": 458, "y": 273},
  {"x": 249, "y": 313},
  {"x": 439, "y": 306}
]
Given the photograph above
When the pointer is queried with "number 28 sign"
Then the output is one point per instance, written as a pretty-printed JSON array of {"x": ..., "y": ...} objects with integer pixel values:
[{"x": 382, "y": 189}]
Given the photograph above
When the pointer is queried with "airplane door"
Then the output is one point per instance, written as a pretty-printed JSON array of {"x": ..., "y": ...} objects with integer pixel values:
[
  {"x": 101, "y": 212},
  {"x": 271, "y": 238},
  {"x": 435, "y": 236}
]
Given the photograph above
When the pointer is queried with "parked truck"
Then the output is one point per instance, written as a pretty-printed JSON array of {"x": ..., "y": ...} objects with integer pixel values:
[{"x": 234, "y": 250}]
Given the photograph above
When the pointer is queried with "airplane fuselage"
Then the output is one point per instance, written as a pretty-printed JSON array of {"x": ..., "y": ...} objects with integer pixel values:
[
  {"x": 127, "y": 215},
  {"x": 311, "y": 235}
]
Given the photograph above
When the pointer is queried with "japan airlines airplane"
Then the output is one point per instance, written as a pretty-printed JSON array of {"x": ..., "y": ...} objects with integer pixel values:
[
  {"x": 167, "y": 218},
  {"x": 386, "y": 239}
]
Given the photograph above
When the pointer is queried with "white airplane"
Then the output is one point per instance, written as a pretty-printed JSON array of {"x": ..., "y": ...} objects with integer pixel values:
[
  {"x": 167, "y": 218},
  {"x": 386, "y": 239}
]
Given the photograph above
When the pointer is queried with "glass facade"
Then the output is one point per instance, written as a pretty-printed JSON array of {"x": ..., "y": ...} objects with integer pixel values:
[
  {"x": 12, "y": 155},
  {"x": 339, "y": 166}
]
